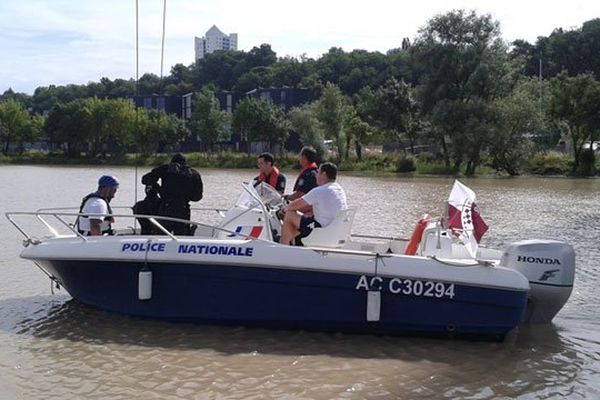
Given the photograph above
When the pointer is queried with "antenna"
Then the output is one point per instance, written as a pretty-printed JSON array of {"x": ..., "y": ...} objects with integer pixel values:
[
  {"x": 137, "y": 91},
  {"x": 540, "y": 80},
  {"x": 162, "y": 47}
]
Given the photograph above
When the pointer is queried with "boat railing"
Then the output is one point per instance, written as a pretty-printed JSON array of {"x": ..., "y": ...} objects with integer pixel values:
[{"x": 45, "y": 215}]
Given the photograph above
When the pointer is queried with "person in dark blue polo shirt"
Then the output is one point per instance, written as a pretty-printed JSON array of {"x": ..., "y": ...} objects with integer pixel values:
[{"x": 307, "y": 180}]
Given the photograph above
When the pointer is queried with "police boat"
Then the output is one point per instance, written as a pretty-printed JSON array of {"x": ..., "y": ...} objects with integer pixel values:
[{"x": 233, "y": 272}]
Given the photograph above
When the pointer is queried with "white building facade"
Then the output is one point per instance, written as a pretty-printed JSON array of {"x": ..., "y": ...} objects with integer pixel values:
[{"x": 214, "y": 40}]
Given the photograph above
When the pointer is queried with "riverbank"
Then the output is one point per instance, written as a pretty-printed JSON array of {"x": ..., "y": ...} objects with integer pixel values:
[{"x": 548, "y": 164}]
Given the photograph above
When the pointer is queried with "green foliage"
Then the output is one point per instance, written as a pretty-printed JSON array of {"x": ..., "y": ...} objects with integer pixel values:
[
  {"x": 463, "y": 60},
  {"x": 331, "y": 110},
  {"x": 16, "y": 127},
  {"x": 360, "y": 132},
  {"x": 587, "y": 164},
  {"x": 258, "y": 120},
  {"x": 305, "y": 123},
  {"x": 551, "y": 163},
  {"x": 516, "y": 115},
  {"x": 575, "y": 108},
  {"x": 208, "y": 122},
  {"x": 95, "y": 126},
  {"x": 406, "y": 163},
  {"x": 457, "y": 87},
  {"x": 65, "y": 126},
  {"x": 576, "y": 51},
  {"x": 436, "y": 168},
  {"x": 394, "y": 110},
  {"x": 155, "y": 130},
  {"x": 9, "y": 94}
]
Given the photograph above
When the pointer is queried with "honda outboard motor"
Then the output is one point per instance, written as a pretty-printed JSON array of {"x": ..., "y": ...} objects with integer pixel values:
[{"x": 549, "y": 265}]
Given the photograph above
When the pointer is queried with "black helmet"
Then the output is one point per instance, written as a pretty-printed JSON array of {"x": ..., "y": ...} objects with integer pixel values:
[{"x": 178, "y": 158}]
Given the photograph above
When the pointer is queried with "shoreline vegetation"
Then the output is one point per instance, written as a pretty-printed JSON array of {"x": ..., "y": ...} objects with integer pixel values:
[
  {"x": 456, "y": 100},
  {"x": 424, "y": 164}
]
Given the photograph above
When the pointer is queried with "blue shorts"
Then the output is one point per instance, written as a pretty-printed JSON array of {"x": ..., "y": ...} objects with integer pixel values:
[{"x": 307, "y": 224}]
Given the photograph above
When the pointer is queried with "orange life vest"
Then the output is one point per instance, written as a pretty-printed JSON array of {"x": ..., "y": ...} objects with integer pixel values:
[{"x": 272, "y": 178}]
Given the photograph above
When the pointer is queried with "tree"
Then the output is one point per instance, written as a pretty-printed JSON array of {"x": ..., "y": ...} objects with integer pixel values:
[
  {"x": 149, "y": 84},
  {"x": 221, "y": 68},
  {"x": 179, "y": 74},
  {"x": 262, "y": 56},
  {"x": 31, "y": 132},
  {"x": 360, "y": 132},
  {"x": 155, "y": 130},
  {"x": 515, "y": 116},
  {"x": 306, "y": 125},
  {"x": 14, "y": 124},
  {"x": 258, "y": 120},
  {"x": 464, "y": 67},
  {"x": 291, "y": 71},
  {"x": 395, "y": 111},
  {"x": 22, "y": 98},
  {"x": 255, "y": 78},
  {"x": 67, "y": 125},
  {"x": 576, "y": 51},
  {"x": 331, "y": 109},
  {"x": 575, "y": 108},
  {"x": 119, "y": 124},
  {"x": 208, "y": 121}
]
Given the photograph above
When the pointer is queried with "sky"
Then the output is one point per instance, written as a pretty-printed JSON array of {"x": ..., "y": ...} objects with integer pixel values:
[{"x": 58, "y": 42}]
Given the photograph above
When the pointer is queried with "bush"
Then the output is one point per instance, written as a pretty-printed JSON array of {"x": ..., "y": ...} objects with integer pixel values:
[
  {"x": 436, "y": 168},
  {"x": 428, "y": 157},
  {"x": 587, "y": 163},
  {"x": 406, "y": 163},
  {"x": 551, "y": 163}
]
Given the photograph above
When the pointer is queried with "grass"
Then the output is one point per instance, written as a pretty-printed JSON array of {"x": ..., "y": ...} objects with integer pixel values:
[{"x": 550, "y": 163}]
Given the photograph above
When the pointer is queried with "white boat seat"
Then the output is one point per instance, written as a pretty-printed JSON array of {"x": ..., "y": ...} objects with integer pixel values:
[{"x": 336, "y": 234}]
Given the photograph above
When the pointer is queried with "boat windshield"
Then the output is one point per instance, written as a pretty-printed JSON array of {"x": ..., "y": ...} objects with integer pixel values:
[
  {"x": 268, "y": 194},
  {"x": 263, "y": 191}
]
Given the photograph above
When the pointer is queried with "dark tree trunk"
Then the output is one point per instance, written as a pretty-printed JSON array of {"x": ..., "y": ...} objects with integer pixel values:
[{"x": 358, "y": 147}]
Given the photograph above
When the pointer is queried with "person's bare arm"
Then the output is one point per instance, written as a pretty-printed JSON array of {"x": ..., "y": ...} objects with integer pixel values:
[
  {"x": 95, "y": 229},
  {"x": 298, "y": 204},
  {"x": 294, "y": 196}
]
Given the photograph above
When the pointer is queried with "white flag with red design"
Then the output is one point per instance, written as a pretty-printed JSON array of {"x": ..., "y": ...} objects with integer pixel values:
[{"x": 463, "y": 217}]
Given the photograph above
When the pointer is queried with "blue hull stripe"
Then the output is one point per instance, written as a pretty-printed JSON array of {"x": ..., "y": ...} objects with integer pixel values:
[{"x": 288, "y": 299}]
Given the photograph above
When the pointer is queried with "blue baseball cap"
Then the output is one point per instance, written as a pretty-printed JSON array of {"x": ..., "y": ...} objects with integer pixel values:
[{"x": 108, "y": 181}]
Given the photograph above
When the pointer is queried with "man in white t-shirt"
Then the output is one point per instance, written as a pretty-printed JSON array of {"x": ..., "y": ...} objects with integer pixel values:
[
  {"x": 95, "y": 207},
  {"x": 326, "y": 200}
]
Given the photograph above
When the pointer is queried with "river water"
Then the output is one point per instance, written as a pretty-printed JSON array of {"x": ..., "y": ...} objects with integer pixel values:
[{"x": 53, "y": 347}]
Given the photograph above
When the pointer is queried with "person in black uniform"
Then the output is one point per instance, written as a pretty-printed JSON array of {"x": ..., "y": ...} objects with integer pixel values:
[
  {"x": 150, "y": 205},
  {"x": 307, "y": 179},
  {"x": 179, "y": 185}
]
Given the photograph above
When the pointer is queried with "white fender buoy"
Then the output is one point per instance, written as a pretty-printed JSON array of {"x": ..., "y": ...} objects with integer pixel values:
[
  {"x": 145, "y": 284},
  {"x": 373, "y": 305}
]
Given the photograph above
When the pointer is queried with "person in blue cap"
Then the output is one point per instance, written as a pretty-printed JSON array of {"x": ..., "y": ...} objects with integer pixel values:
[
  {"x": 179, "y": 184},
  {"x": 96, "y": 218}
]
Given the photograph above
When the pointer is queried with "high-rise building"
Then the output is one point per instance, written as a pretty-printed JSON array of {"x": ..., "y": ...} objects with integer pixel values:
[{"x": 214, "y": 40}]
